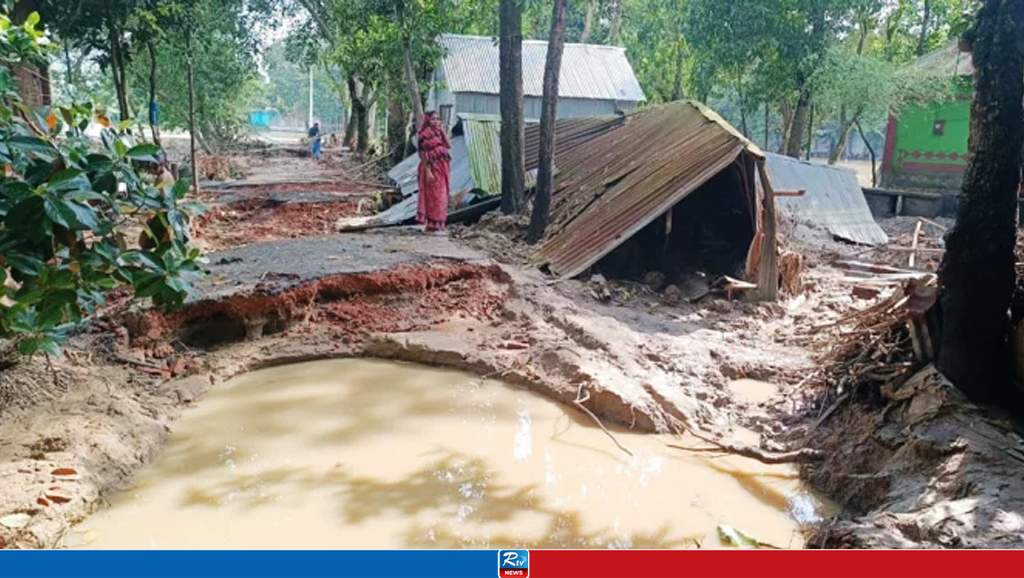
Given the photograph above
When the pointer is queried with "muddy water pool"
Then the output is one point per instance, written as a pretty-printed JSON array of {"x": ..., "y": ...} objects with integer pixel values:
[{"x": 374, "y": 454}]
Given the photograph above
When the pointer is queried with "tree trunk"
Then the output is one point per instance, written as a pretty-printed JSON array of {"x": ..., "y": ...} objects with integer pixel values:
[
  {"x": 410, "y": 72},
  {"x": 411, "y": 84},
  {"x": 799, "y": 125},
  {"x": 786, "y": 112},
  {"x": 743, "y": 109},
  {"x": 810, "y": 132},
  {"x": 69, "y": 73},
  {"x": 357, "y": 90},
  {"x": 766, "y": 125},
  {"x": 191, "y": 111},
  {"x": 976, "y": 278},
  {"x": 549, "y": 107},
  {"x": 153, "y": 121},
  {"x": 871, "y": 151},
  {"x": 511, "y": 88},
  {"x": 615, "y": 37},
  {"x": 397, "y": 121},
  {"x": 588, "y": 21},
  {"x": 677, "y": 78},
  {"x": 116, "y": 69},
  {"x": 924, "y": 27},
  {"x": 350, "y": 126}
]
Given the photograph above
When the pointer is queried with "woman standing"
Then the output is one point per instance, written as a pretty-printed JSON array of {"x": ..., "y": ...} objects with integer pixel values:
[{"x": 434, "y": 174}]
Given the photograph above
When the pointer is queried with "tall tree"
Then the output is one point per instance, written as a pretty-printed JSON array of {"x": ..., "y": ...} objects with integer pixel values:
[
  {"x": 778, "y": 44},
  {"x": 977, "y": 273},
  {"x": 410, "y": 72},
  {"x": 510, "y": 49},
  {"x": 549, "y": 108},
  {"x": 588, "y": 21},
  {"x": 926, "y": 17}
]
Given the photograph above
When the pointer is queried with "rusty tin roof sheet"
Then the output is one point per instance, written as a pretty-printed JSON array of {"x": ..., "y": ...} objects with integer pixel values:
[
  {"x": 619, "y": 182},
  {"x": 833, "y": 199}
]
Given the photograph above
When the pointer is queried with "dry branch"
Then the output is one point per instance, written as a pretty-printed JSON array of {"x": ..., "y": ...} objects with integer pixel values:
[
  {"x": 582, "y": 396},
  {"x": 796, "y": 456}
]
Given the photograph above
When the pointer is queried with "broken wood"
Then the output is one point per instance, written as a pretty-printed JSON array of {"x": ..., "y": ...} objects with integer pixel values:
[
  {"x": 919, "y": 250},
  {"x": 768, "y": 271},
  {"x": 913, "y": 244},
  {"x": 932, "y": 223},
  {"x": 729, "y": 285},
  {"x": 797, "y": 193}
]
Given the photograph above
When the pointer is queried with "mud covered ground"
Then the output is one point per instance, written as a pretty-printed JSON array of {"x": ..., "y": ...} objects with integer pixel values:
[{"x": 918, "y": 467}]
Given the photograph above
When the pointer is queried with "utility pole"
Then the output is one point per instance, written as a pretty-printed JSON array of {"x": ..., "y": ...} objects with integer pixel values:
[{"x": 310, "y": 121}]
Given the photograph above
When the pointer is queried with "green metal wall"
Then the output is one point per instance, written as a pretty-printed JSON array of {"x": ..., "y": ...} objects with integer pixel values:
[
  {"x": 920, "y": 159},
  {"x": 915, "y": 135}
]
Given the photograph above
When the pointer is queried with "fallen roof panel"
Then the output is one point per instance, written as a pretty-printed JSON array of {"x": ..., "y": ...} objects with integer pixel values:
[
  {"x": 833, "y": 199},
  {"x": 404, "y": 174}
]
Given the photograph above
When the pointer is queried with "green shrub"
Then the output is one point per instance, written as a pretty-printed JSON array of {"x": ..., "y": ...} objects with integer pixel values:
[{"x": 64, "y": 204}]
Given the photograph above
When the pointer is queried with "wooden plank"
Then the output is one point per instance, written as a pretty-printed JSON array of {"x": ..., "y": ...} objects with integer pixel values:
[
  {"x": 913, "y": 244},
  {"x": 768, "y": 274}
]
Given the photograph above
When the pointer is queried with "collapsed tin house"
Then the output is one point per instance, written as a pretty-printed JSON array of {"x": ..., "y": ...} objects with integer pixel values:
[{"x": 673, "y": 189}]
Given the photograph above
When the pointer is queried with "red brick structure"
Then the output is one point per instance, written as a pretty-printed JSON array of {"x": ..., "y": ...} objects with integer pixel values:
[{"x": 33, "y": 84}]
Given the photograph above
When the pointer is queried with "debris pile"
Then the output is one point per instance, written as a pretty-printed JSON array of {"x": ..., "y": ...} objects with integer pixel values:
[
  {"x": 219, "y": 168},
  {"x": 243, "y": 223},
  {"x": 917, "y": 243}
]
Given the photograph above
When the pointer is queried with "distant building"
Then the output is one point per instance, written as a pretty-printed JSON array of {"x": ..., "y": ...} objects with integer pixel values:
[
  {"x": 926, "y": 146},
  {"x": 595, "y": 80},
  {"x": 261, "y": 119}
]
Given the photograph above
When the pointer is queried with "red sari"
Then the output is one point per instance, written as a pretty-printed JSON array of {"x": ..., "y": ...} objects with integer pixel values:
[{"x": 432, "y": 209}]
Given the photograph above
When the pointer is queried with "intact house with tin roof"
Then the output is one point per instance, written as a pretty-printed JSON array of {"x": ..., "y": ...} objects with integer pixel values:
[
  {"x": 926, "y": 144},
  {"x": 595, "y": 80}
]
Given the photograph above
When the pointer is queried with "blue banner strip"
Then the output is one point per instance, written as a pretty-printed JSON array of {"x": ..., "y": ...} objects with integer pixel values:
[{"x": 250, "y": 564}]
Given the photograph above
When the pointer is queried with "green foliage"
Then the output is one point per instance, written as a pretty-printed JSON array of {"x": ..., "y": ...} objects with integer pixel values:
[
  {"x": 653, "y": 34},
  {"x": 62, "y": 206},
  {"x": 228, "y": 85},
  {"x": 287, "y": 88},
  {"x": 873, "y": 88}
]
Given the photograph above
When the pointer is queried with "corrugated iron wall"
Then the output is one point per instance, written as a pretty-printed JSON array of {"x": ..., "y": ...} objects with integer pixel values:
[{"x": 833, "y": 199}]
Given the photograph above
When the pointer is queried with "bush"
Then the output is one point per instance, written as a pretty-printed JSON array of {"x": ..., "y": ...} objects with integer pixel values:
[{"x": 64, "y": 204}]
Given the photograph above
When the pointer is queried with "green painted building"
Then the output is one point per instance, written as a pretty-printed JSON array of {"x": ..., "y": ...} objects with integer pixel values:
[{"x": 926, "y": 146}]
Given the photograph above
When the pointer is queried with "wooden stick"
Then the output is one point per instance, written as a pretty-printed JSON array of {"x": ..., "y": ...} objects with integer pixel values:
[
  {"x": 919, "y": 250},
  {"x": 578, "y": 402},
  {"x": 932, "y": 223},
  {"x": 913, "y": 244},
  {"x": 804, "y": 455}
]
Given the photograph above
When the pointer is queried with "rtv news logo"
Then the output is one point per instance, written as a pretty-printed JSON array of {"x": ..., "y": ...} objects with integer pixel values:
[{"x": 513, "y": 563}]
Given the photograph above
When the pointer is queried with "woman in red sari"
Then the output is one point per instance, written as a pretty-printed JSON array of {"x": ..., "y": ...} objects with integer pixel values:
[{"x": 434, "y": 174}]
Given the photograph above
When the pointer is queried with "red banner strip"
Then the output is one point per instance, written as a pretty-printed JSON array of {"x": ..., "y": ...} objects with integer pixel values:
[{"x": 775, "y": 564}]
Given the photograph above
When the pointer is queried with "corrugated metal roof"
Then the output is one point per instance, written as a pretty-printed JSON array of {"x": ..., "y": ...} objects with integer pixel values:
[
  {"x": 588, "y": 70},
  {"x": 949, "y": 60},
  {"x": 483, "y": 143},
  {"x": 619, "y": 182},
  {"x": 833, "y": 199},
  {"x": 404, "y": 174}
]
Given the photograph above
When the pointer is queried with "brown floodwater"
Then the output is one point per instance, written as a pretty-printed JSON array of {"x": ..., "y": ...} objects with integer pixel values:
[
  {"x": 373, "y": 454},
  {"x": 753, "y": 390}
]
